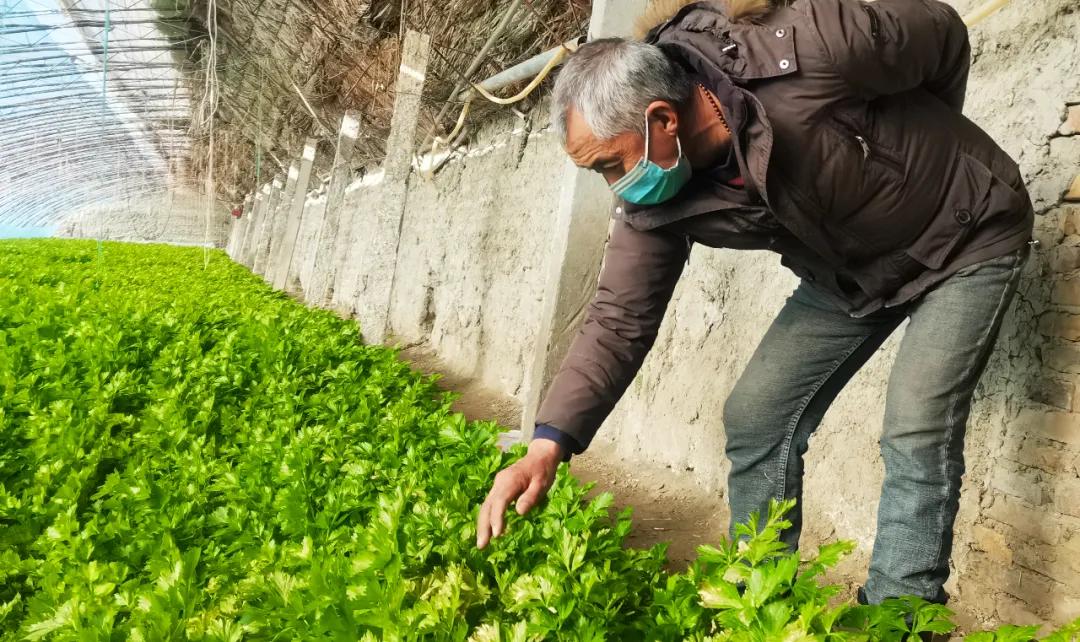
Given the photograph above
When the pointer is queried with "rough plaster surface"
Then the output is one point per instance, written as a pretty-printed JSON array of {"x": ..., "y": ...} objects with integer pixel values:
[
  {"x": 469, "y": 267},
  {"x": 306, "y": 244},
  {"x": 264, "y": 226},
  {"x": 319, "y": 265},
  {"x": 469, "y": 278},
  {"x": 278, "y": 223},
  {"x": 171, "y": 217},
  {"x": 377, "y": 235}
]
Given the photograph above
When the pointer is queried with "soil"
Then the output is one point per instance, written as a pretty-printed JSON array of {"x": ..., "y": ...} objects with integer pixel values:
[
  {"x": 474, "y": 400},
  {"x": 667, "y": 507}
]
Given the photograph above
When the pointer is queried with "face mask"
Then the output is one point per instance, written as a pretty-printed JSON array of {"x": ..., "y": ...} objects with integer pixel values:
[{"x": 648, "y": 183}]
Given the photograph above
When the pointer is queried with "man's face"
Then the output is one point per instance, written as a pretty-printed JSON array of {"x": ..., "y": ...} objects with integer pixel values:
[{"x": 616, "y": 156}]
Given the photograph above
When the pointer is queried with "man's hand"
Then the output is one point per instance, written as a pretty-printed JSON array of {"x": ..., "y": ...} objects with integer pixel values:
[{"x": 527, "y": 480}]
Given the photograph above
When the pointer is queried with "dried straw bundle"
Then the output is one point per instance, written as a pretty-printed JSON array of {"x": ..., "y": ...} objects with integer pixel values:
[{"x": 288, "y": 69}]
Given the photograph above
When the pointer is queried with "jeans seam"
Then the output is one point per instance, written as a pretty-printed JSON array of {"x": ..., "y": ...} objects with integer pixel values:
[
  {"x": 797, "y": 416},
  {"x": 999, "y": 312}
]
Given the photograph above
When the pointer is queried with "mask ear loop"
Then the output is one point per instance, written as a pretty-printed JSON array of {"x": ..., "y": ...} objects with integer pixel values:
[{"x": 645, "y": 157}]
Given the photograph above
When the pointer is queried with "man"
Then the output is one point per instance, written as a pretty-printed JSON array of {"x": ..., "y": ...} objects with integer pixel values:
[{"x": 830, "y": 132}]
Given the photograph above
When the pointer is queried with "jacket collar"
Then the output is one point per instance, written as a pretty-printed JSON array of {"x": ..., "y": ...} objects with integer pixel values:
[
  {"x": 702, "y": 195},
  {"x": 728, "y": 44},
  {"x": 701, "y": 50},
  {"x": 705, "y": 192}
]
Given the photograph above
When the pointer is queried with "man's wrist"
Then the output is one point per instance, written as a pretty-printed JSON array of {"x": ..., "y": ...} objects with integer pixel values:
[
  {"x": 548, "y": 449},
  {"x": 569, "y": 446}
]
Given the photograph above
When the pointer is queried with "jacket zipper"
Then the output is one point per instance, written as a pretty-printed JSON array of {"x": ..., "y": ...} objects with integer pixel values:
[
  {"x": 875, "y": 24},
  {"x": 870, "y": 151}
]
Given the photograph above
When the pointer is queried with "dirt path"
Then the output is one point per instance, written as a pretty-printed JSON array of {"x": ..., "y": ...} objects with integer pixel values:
[
  {"x": 474, "y": 401},
  {"x": 667, "y": 507}
]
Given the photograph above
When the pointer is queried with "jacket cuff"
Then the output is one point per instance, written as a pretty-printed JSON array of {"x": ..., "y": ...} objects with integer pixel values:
[{"x": 569, "y": 445}]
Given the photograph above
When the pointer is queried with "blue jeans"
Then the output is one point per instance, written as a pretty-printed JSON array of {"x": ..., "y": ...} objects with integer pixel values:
[{"x": 807, "y": 356}]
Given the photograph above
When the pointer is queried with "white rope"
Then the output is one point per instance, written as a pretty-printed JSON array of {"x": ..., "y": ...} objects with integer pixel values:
[
  {"x": 207, "y": 109},
  {"x": 983, "y": 12}
]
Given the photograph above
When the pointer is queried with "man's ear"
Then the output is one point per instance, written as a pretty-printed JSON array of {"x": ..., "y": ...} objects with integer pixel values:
[{"x": 665, "y": 113}]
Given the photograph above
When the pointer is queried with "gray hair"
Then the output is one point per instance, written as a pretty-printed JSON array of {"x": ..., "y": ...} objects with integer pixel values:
[{"x": 612, "y": 81}]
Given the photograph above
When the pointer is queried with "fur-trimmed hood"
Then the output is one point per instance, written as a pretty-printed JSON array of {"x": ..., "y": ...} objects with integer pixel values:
[{"x": 659, "y": 11}]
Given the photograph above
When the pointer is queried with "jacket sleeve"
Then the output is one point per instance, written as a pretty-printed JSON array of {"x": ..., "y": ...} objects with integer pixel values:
[
  {"x": 893, "y": 46},
  {"x": 636, "y": 283}
]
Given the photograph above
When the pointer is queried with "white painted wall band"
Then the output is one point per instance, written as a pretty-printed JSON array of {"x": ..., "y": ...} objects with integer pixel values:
[
  {"x": 350, "y": 127},
  {"x": 412, "y": 73}
]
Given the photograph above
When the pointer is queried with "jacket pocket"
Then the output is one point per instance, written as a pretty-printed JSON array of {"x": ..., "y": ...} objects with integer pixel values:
[
  {"x": 870, "y": 151},
  {"x": 965, "y": 204}
]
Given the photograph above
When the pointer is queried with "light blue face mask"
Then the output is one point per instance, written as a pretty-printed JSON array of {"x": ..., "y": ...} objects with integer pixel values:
[{"x": 648, "y": 183}]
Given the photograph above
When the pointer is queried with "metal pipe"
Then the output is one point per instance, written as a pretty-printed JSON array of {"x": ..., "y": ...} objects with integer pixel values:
[
  {"x": 95, "y": 148},
  {"x": 523, "y": 70},
  {"x": 478, "y": 60},
  {"x": 20, "y": 120},
  {"x": 45, "y": 210}
]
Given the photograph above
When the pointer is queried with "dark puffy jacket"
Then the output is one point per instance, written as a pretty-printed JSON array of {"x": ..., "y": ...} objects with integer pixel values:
[{"x": 860, "y": 171}]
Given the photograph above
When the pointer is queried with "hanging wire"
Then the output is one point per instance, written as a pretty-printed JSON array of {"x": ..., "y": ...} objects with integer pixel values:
[
  {"x": 104, "y": 105},
  {"x": 209, "y": 110},
  {"x": 258, "y": 137}
]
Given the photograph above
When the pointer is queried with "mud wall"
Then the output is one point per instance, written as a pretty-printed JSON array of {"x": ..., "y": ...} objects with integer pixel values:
[
  {"x": 473, "y": 252},
  {"x": 471, "y": 295},
  {"x": 174, "y": 217},
  {"x": 468, "y": 278}
]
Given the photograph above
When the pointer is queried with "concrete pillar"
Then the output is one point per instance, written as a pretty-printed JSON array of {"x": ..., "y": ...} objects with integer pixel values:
[
  {"x": 278, "y": 222},
  {"x": 236, "y": 231},
  {"x": 328, "y": 241},
  {"x": 280, "y": 274},
  {"x": 266, "y": 227},
  {"x": 340, "y": 287},
  {"x": 615, "y": 18},
  {"x": 245, "y": 220},
  {"x": 314, "y": 209},
  {"x": 258, "y": 212},
  {"x": 245, "y": 225},
  {"x": 380, "y": 229},
  {"x": 250, "y": 205},
  {"x": 574, "y": 257}
]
